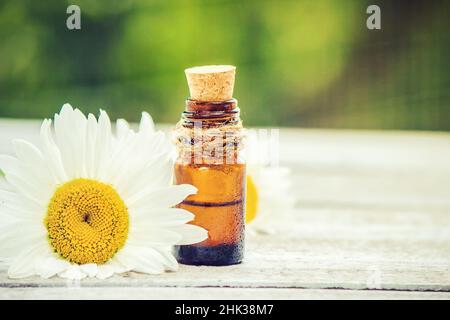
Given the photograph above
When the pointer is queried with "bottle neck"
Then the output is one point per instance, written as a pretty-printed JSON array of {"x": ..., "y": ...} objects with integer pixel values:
[
  {"x": 196, "y": 106},
  {"x": 211, "y": 112},
  {"x": 209, "y": 133}
]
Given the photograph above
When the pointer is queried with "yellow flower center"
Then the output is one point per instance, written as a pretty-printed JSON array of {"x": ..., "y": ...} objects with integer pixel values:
[
  {"x": 87, "y": 221},
  {"x": 251, "y": 204}
]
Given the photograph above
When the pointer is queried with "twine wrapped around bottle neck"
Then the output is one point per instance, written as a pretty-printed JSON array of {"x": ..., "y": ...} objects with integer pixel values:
[{"x": 201, "y": 144}]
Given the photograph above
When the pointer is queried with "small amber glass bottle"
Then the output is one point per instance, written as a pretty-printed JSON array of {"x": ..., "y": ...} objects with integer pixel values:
[{"x": 209, "y": 142}]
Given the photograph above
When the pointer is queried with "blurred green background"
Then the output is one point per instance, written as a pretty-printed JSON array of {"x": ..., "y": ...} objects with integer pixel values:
[{"x": 300, "y": 63}]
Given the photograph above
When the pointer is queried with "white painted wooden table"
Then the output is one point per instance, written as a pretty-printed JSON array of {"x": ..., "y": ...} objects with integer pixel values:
[{"x": 372, "y": 220}]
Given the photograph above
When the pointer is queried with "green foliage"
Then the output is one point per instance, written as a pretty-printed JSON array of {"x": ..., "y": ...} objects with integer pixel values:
[{"x": 300, "y": 63}]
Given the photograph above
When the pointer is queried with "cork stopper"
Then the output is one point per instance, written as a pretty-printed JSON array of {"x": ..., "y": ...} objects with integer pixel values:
[{"x": 211, "y": 83}]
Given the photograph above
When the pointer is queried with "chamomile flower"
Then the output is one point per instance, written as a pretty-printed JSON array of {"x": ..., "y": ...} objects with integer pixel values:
[
  {"x": 269, "y": 200},
  {"x": 91, "y": 204}
]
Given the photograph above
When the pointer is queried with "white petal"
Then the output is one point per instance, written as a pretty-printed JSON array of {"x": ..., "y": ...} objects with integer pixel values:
[
  {"x": 18, "y": 235},
  {"x": 91, "y": 138},
  {"x": 90, "y": 269},
  {"x": 150, "y": 156},
  {"x": 190, "y": 234},
  {"x": 110, "y": 268},
  {"x": 122, "y": 128},
  {"x": 165, "y": 197},
  {"x": 62, "y": 125},
  {"x": 147, "y": 151},
  {"x": 146, "y": 125},
  {"x": 70, "y": 133},
  {"x": 8, "y": 251},
  {"x": 73, "y": 273},
  {"x": 20, "y": 206},
  {"x": 22, "y": 179},
  {"x": 103, "y": 145},
  {"x": 105, "y": 271},
  {"x": 7, "y": 217},
  {"x": 23, "y": 265},
  {"x": 141, "y": 259},
  {"x": 50, "y": 266},
  {"x": 33, "y": 159},
  {"x": 152, "y": 218},
  {"x": 169, "y": 260},
  {"x": 4, "y": 185},
  {"x": 152, "y": 236},
  {"x": 156, "y": 175},
  {"x": 51, "y": 153},
  {"x": 119, "y": 162},
  {"x": 118, "y": 267}
]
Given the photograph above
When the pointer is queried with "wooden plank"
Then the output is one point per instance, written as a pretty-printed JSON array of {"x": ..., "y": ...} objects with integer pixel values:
[
  {"x": 164, "y": 293},
  {"x": 373, "y": 212},
  {"x": 321, "y": 248},
  {"x": 381, "y": 190},
  {"x": 366, "y": 151}
]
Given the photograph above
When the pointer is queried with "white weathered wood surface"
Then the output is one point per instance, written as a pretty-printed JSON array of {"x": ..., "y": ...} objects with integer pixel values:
[{"x": 372, "y": 212}]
